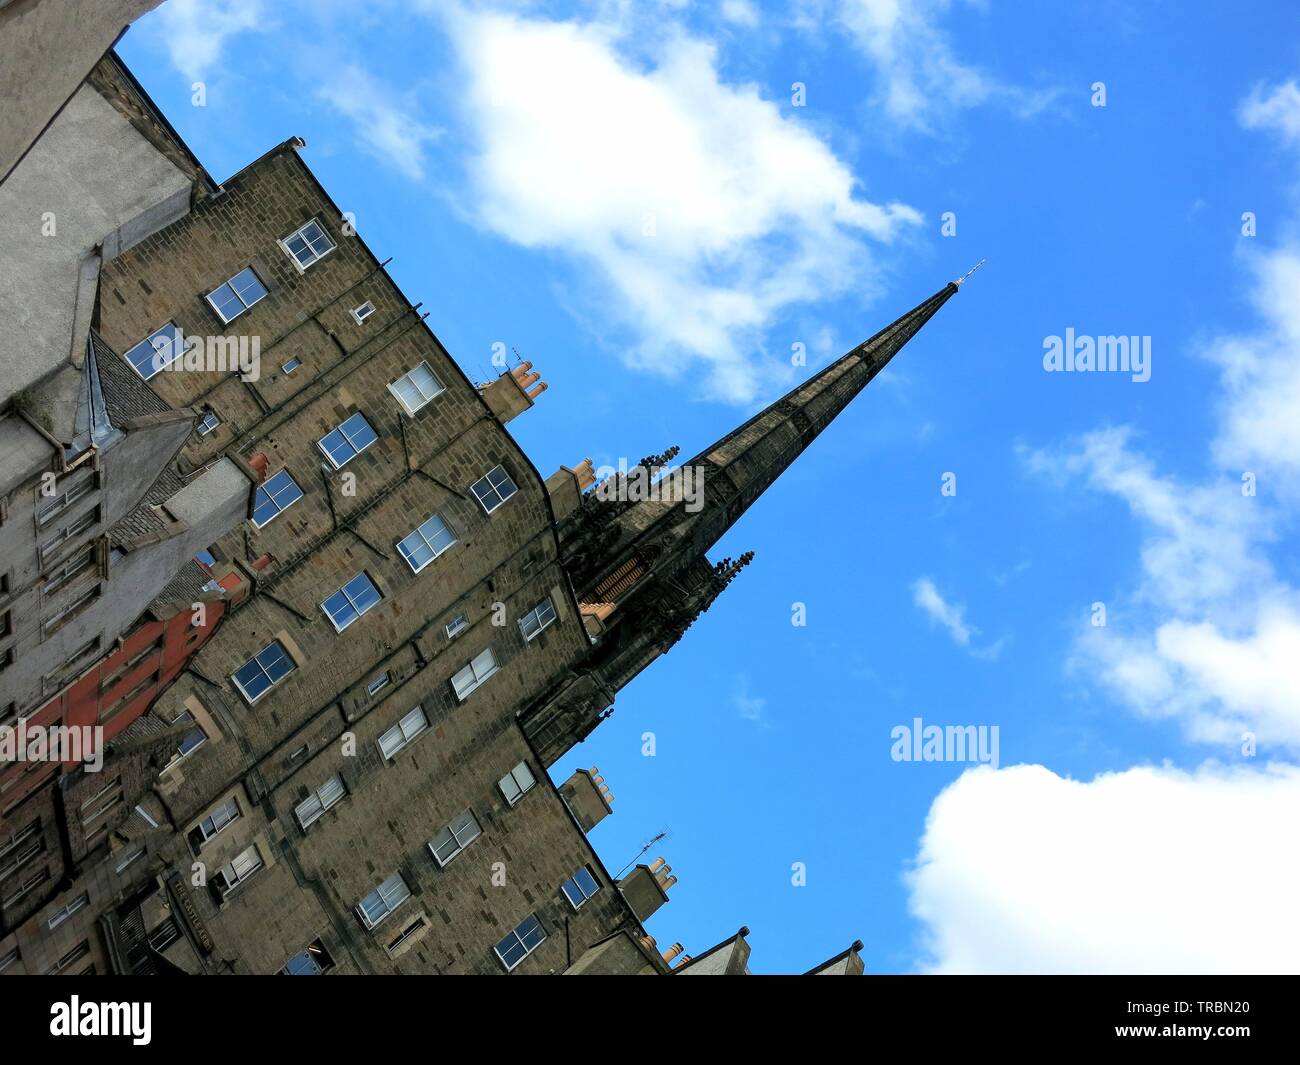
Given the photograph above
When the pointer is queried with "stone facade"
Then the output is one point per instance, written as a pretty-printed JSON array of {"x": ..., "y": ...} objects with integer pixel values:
[{"x": 379, "y": 688}]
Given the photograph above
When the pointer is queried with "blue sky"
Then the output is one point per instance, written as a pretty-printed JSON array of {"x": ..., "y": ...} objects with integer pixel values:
[{"x": 629, "y": 195}]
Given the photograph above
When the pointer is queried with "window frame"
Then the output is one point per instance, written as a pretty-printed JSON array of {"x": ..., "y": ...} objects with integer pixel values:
[
  {"x": 67, "y": 910},
  {"x": 502, "y": 500},
  {"x": 293, "y": 666},
  {"x": 320, "y": 443},
  {"x": 323, "y": 805},
  {"x": 511, "y": 966},
  {"x": 455, "y": 837},
  {"x": 262, "y": 488},
  {"x": 69, "y": 569},
  {"x": 586, "y": 896},
  {"x": 156, "y": 370},
  {"x": 479, "y": 679},
  {"x": 237, "y": 879},
  {"x": 293, "y": 257},
  {"x": 389, "y": 908},
  {"x": 400, "y": 728},
  {"x": 549, "y": 604},
  {"x": 205, "y": 835},
  {"x": 510, "y": 776},
  {"x": 181, "y": 754},
  {"x": 64, "y": 498},
  {"x": 419, "y": 531},
  {"x": 245, "y": 305},
  {"x": 357, "y": 614},
  {"x": 425, "y": 400}
]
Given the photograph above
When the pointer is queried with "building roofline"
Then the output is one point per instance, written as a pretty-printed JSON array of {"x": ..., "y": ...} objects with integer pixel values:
[
  {"x": 854, "y": 948},
  {"x": 740, "y": 933},
  {"x": 156, "y": 113}
]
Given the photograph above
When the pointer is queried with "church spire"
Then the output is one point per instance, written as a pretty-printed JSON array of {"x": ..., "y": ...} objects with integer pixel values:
[
  {"x": 619, "y": 534},
  {"x": 635, "y": 548}
]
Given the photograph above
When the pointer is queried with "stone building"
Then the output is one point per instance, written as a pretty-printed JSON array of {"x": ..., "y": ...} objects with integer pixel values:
[
  {"x": 100, "y": 601},
  {"x": 430, "y": 625}
]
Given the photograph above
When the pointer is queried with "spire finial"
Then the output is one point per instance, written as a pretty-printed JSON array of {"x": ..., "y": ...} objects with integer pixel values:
[{"x": 967, "y": 274}]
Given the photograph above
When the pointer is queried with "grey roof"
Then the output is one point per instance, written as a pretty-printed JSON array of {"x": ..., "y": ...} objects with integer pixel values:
[
  {"x": 145, "y": 519},
  {"x": 126, "y": 393},
  {"x": 185, "y": 587}
]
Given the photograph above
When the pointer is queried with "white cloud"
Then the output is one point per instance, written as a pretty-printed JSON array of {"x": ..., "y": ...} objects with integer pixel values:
[
  {"x": 740, "y": 12},
  {"x": 1151, "y": 870},
  {"x": 1277, "y": 109},
  {"x": 918, "y": 71},
  {"x": 693, "y": 209},
  {"x": 195, "y": 31},
  {"x": 1261, "y": 375},
  {"x": 749, "y": 707},
  {"x": 1210, "y": 634},
  {"x": 384, "y": 120},
  {"x": 950, "y": 616}
]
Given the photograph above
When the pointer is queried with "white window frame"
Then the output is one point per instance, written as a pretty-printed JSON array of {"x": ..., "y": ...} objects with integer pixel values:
[
  {"x": 67, "y": 910},
  {"x": 424, "y": 400},
  {"x": 475, "y": 673},
  {"x": 355, "y": 450},
  {"x": 69, "y": 532},
  {"x": 536, "y": 614},
  {"x": 290, "y": 365},
  {"x": 494, "y": 489},
  {"x": 225, "y": 808},
  {"x": 64, "y": 498},
  {"x": 419, "y": 531},
  {"x": 521, "y": 789},
  {"x": 77, "y": 563},
  {"x": 313, "y": 808},
  {"x": 362, "y": 312},
  {"x": 246, "y": 305},
  {"x": 461, "y": 838},
  {"x": 357, "y": 615},
  {"x": 316, "y": 257},
  {"x": 279, "y": 509},
  {"x": 177, "y": 350},
  {"x": 386, "y": 892},
  {"x": 234, "y": 876},
  {"x": 129, "y": 860},
  {"x": 413, "y": 724},
  {"x": 274, "y": 683},
  {"x": 456, "y": 626},
  {"x": 579, "y": 889},
  {"x": 181, "y": 755},
  {"x": 527, "y": 949},
  {"x": 26, "y": 884},
  {"x": 55, "y": 621},
  {"x": 203, "y": 428},
  {"x": 378, "y": 684}
]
